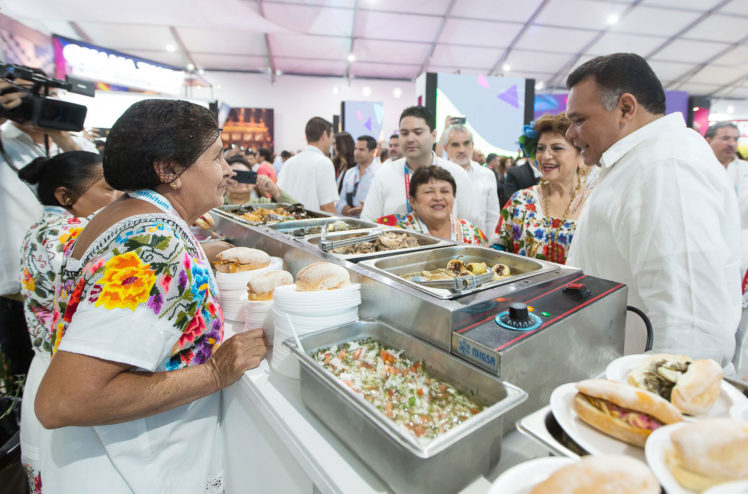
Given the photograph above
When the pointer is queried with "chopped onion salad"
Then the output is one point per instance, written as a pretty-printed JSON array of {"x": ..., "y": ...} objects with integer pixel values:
[{"x": 398, "y": 387}]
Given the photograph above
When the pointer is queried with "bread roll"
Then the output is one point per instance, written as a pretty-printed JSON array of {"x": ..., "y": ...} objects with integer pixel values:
[
  {"x": 691, "y": 385},
  {"x": 615, "y": 474},
  {"x": 708, "y": 452},
  {"x": 205, "y": 221},
  {"x": 622, "y": 411},
  {"x": 262, "y": 286},
  {"x": 239, "y": 259},
  {"x": 322, "y": 276}
]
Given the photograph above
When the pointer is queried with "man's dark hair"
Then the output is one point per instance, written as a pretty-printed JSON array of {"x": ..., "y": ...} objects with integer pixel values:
[
  {"x": 711, "y": 132},
  {"x": 622, "y": 73},
  {"x": 154, "y": 130},
  {"x": 491, "y": 156},
  {"x": 419, "y": 112},
  {"x": 315, "y": 127},
  {"x": 74, "y": 170},
  {"x": 371, "y": 143},
  {"x": 239, "y": 159},
  {"x": 285, "y": 154},
  {"x": 396, "y": 135},
  {"x": 425, "y": 174},
  {"x": 265, "y": 153}
]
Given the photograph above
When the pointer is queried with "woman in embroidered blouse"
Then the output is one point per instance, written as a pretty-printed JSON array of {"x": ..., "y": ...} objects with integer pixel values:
[
  {"x": 540, "y": 221},
  {"x": 432, "y": 195},
  {"x": 71, "y": 186},
  {"x": 139, "y": 353}
]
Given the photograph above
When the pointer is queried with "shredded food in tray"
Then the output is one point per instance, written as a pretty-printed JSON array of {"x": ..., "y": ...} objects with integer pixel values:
[
  {"x": 398, "y": 387},
  {"x": 456, "y": 268}
]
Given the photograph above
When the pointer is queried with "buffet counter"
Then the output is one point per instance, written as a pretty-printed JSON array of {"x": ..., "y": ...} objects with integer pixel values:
[{"x": 273, "y": 443}]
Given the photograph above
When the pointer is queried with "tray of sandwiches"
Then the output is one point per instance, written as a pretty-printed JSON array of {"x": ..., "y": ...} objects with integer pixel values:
[
  {"x": 457, "y": 270},
  {"x": 372, "y": 242},
  {"x": 314, "y": 226},
  {"x": 674, "y": 414},
  {"x": 269, "y": 213}
]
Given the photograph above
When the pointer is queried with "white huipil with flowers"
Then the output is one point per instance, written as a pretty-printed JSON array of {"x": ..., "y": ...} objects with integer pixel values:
[{"x": 142, "y": 294}]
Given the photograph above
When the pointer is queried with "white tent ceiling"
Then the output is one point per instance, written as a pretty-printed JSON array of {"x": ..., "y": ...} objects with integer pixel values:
[{"x": 700, "y": 46}]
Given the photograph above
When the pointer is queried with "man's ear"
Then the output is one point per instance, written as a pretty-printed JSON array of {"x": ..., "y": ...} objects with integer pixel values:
[
  {"x": 627, "y": 107},
  {"x": 64, "y": 196}
]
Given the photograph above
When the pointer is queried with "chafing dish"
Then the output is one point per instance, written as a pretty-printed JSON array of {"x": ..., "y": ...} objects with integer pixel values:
[
  {"x": 300, "y": 228},
  {"x": 235, "y": 211},
  {"x": 424, "y": 242},
  {"x": 444, "y": 464},
  {"x": 397, "y": 265}
]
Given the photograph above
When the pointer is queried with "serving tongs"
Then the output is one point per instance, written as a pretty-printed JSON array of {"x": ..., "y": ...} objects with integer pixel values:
[
  {"x": 308, "y": 230},
  {"x": 458, "y": 284},
  {"x": 328, "y": 245}
]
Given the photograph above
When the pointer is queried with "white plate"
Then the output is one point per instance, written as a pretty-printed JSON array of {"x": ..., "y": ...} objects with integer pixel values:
[
  {"x": 737, "y": 487},
  {"x": 739, "y": 412},
  {"x": 520, "y": 479},
  {"x": 589, "y": 438},
  {"x": 620, "y": 367},
  {"x": 657, "y": 443}
]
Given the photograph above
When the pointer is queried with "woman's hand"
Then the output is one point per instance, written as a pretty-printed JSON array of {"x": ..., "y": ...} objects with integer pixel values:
[
  {"x": 266, "y": 187},
  {"x": 237, "y": 355}
]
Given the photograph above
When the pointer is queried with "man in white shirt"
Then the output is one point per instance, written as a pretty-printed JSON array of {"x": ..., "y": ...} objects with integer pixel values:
[
  {"x": 388, "y": 193},
  {"x": 309, "y": 176},
  {"x": 663, "y": 218},
  {"x": 19, "y": 209},
  {"x": 459, "y": 148},
  {"x": 394, "y": 152},
  {"x": 723, "y": 139},
  {"x": 358, "y": 179}
]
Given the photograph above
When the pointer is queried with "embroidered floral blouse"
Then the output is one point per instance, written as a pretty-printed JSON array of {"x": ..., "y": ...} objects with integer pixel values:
[
  {"x": 143, "y": 294},
  {"x": 524, "y": 230},
  {"x": 462, "y": 231},
  {"x": 41, "y": 262}
]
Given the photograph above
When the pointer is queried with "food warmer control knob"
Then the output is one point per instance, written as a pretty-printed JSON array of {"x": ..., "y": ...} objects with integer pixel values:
[{"x": 518, "y": 318}]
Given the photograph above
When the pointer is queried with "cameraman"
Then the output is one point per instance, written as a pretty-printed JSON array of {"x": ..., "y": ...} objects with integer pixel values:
[{"x": 19, "y": 209}]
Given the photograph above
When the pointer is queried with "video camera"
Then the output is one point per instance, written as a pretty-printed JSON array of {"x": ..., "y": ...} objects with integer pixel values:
[{"x": 37, "y": 107}]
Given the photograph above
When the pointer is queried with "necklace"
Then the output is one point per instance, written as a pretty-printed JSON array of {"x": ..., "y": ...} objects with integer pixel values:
[{"x": 554, "y": 248}]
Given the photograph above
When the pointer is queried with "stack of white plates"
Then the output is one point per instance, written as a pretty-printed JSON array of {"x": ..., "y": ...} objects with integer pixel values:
[
  {"x": 308, "y": 312},
  {"x": 233, "y": 288},
  {"x": 257, "y": 314}
]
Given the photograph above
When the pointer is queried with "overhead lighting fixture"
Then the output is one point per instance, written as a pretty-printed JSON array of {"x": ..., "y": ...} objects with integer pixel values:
[
  {"x": 730, "y": 109},
  {"x": 397, "y": 92},
  {"x": 278, "y": 72},
  {"x": 335, "y": 90},
  {"x": 366, "y": 91},
  {"x": 351, "y": 57},
  {"x": 190, "y": 67},
  {"x": 696, "y": 108},
  {"x": 613, "y": 19},
  {"x": 171, "y": 48},
  {"x": 219, "y": 87},
  {"x": 506, "y": 67},
  {"x": 539, "y": 85},
  {"x": 200, "y": 71}
]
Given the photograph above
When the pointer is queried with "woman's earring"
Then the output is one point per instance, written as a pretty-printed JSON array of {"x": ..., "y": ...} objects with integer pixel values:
[{"x": 173, "y": 186}]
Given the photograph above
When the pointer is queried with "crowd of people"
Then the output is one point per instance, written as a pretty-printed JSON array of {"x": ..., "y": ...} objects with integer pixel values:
[{"x": 102, "y": 274}]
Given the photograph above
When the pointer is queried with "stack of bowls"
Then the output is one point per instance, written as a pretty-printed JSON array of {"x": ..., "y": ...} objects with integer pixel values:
[
  {"x": 306, "y": 312},
  {"x": 233, "y": 298}
]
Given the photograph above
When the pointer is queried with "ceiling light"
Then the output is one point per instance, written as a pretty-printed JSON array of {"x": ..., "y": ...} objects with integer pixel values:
[
  {"x": 397, "y": 92},
  {"x": 506, "y": 67},
  {"x": 613, "y": 19},
  {"x": 200, "y": 71},
  {"x": 190, "y": 67},
  {"x": 335, "y": 90},
  {"x": 730, "y": 109},
  {"x": 696, "y": 108},
  {"x": 539, "y": 85},
  {"x": 171, "y": 48},
  {"x": 219, "y": 87},
  {"x": 351, "y": 57},
  {"x": 278, "y": 72},
  {"x": 366, "y": 91}
]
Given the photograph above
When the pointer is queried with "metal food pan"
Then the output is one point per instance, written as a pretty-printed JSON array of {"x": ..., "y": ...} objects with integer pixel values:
[
  {"x": 396, "y": 265},
  {"x": 424, "y": 242},
  {"x": 407, "y": 464},
  {"x": 232, "y": 211},
  {"x": 289, "y": 227}
]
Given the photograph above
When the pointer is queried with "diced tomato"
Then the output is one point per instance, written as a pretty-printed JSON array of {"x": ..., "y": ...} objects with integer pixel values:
[
  {"x": 419, "y": 430},
  {"x": 341, "y": 355},
  {"x": 348, "y": 383},
  {"x": 357, "y": 353},
  {"x": 386, "y": 356},
  {"x": 420, "y": 392},
  {"x": 328, "y": 357},
  {"x": 391, "y": 393},
  {"x": 388, "y": 408}
]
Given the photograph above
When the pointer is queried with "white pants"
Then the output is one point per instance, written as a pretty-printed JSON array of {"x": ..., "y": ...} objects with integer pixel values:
[{"x": 32, "y": 433}]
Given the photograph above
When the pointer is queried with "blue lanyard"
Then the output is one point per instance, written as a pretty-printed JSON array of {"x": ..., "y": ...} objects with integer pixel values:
[{"x": 407, "y": 189}]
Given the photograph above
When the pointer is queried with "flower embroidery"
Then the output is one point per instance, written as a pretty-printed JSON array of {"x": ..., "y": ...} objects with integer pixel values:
[
  {"x": 70, "y": 234},
  {"x": 28, "y": 281},
  {"x": 126, "y": 282}
]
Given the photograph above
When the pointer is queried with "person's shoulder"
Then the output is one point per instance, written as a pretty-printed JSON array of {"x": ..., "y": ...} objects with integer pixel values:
[{"x": 456, "y": 170}]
